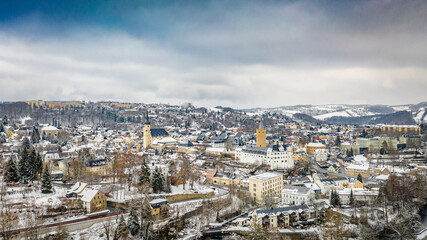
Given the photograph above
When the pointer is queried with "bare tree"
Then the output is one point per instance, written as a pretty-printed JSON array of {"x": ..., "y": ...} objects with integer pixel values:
[
  {"x": 334, "y": 228},
  {"x": 185, "y": 169},
  {"x": 31, "y": 224},
  {"x": 8, "y": 220},
  {"x": 108, "y": 229},
  {"x": 77, "y": 169},
  {"x": 130, "y": 161}
]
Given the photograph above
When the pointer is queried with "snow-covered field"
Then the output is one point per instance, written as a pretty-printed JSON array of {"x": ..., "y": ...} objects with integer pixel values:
[{"x": 27, "y": 201}]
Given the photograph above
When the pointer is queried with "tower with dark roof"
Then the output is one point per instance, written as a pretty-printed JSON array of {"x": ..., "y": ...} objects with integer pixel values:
[
  {"x": 261, "y": 136},
  {"x": 147, "y": 138}
]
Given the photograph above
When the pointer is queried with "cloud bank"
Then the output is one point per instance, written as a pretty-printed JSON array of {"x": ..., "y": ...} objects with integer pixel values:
[{"x": 240, "y": 54}]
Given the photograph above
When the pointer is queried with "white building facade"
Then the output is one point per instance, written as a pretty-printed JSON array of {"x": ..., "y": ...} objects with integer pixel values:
[
  {"x": 277, "y": 157},
  {"x": 296, "y": 195}
]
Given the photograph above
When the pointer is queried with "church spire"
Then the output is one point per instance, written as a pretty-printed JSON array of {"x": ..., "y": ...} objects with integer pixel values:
[{"x": 147, "y": 120}]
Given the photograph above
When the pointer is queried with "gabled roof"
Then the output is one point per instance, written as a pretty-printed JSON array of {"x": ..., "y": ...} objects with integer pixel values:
[
  {"x": 277, "y": 211},
  {"x": 266, "y": 176},
  {"x": 295, "y": 190},
  {"x": 277, "y": 147},
  {"x": 88, "y": 194},
  {"x": 77, "y": 187},
  {"x": 159, "y": 132}
]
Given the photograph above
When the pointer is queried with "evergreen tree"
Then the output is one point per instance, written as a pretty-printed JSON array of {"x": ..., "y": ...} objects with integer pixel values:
[
  {"x": 157, "y": 181},
  {"x": 360, "y": 178},
  {"x": 35, "y": 136},
  {"x": 351, "y": 198},
  {"x": 338, "y": 140},
  {"x": 24, "y": 167},
  {"x": 38, "y": 164},
  {"x": 335, "y": 198},
  {"x": 32, "y": 163},
  {"x": 338, "y": 200},
  {"x": 145, "y": 173},
  {"x": 133, "y": 223},
  {"x": 5, "y": 120},
  {"x": 11, "y": 174},
  {"x": 26, "y": 143},
  {"x": 1, "y": 127},
  {"x": 121, "y": 229},
  {"x": 364, "y": 134},
  {"x": 46, "y": 181},
  {"x": 167, "y": 187}
]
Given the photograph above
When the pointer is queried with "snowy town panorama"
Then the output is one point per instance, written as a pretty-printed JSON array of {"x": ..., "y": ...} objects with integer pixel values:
[
  {"x": 111, "y": 170},
  {"x": 213, "y": 119}
]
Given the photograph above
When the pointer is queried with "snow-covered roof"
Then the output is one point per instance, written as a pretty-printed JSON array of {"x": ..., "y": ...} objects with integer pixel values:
[
  {"x": 77, "y": 187},
  {"x": 358, "y": 167},
  {"x": 88, "y": 194},
  {"x": 312, "y": 144},
  {"x": 49, "y": 128},
  {"x": 295, "y": 190},
  {"x": 167, "y": 140},
  {"x": 383, "y": 177},
  {"x": 266, "y": 176}
]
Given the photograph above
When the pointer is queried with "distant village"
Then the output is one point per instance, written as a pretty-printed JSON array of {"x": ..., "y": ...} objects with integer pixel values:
[{"x": 74, "y": 170}]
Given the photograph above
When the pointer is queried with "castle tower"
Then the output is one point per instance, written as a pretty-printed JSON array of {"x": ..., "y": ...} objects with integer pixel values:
[
  {"x": 147, "y": 132},
  {"x": 261, "y": 136}
]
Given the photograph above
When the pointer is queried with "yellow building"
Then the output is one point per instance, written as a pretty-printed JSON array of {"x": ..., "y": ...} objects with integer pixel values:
[
  {"x": 355, "y": 170},
  {"x": 147, "y": 134},
  {"x": 36, "y": 103},
  {"x": 93, "y": 200},
  {"x": 150, "y": 134},
  {"x": 284, "y": 217},
  {"x": 300, "y": 156},
  {"x": 312, "y": 147},
  {"x": 226, "y": 179},
  {"x": 401, "y": 129},
  {"x": 159, "y": 208},
  {"x": 98, "y": 166},
  {"x": 265, "y": 187},
  {"x": 59, "y": 104},
  {"x": 261, "y": 136},
  {"x": 50, "y": 131},
  {"x": 381, "y": 171},
  {"x": 355, "y": 184}
]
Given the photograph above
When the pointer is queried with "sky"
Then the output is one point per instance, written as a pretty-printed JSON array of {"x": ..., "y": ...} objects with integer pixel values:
[{"x": 239, "y": 54}]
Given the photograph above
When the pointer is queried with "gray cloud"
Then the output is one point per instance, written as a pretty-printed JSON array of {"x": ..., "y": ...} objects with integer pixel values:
[{"x": 252, "y": 55}]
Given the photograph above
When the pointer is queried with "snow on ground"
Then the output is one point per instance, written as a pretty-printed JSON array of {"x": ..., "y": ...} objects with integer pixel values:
[
  {"x": 332, "y": 114},
  {"x": 95, "y": 232},
  {"x": 197, "y": 188},
  {"x": 24, "y": 195},
  {"x": 26, "y": 201},
  {"x": 419, "y": 117},
  {"x": 423, "y": 235},
  {"x": 401, "y": 108}
]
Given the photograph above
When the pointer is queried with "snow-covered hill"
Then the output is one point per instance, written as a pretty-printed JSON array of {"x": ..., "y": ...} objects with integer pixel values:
[{"x": 343, "y": 111}]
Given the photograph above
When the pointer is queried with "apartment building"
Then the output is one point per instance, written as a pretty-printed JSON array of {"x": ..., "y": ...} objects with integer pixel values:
[{"x": 266, "y": 186}]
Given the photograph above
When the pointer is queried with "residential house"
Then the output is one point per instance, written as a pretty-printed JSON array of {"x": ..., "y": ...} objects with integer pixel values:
[
  {"x": 296, "y": 195},
  {"x": 266, "y": 186},
  {"x": 93, "y": 200},
  {"x": 355, "y": 170},
  {"x": 359, "y": 195},
  {"x": 284, "y": 217},
  {"x": 312, "y": 147},
  {"x": 76, "y": 189},
  {"x": 159, "y": 208}
]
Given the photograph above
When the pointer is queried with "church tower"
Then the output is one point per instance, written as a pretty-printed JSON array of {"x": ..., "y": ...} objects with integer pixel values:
[
  {"x": 147, "y": 132},
  {"x": 261, "y": 136}
]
